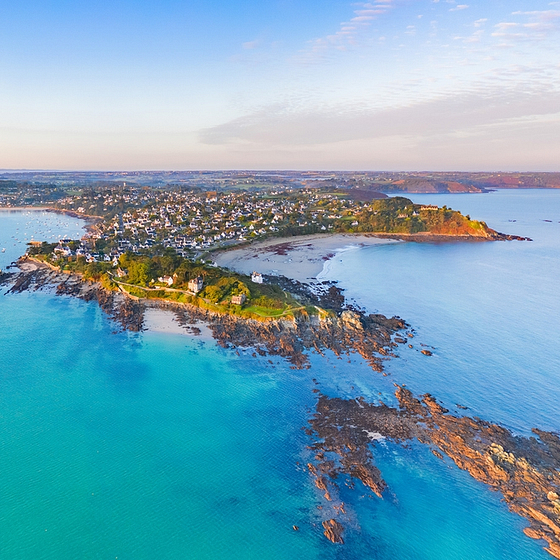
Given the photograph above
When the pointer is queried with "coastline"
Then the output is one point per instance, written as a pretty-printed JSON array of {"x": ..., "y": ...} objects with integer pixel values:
[
  {"x": 296, "y": 261},
  {"x": 373, "y": 336},
  {"x": 303, "y": 258},
  {"x": 298, "y": 258},
  {"x": 362, "y": 466}
]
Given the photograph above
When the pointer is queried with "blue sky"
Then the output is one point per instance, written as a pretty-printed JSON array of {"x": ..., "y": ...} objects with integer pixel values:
[{"x": 384, "y": 84}]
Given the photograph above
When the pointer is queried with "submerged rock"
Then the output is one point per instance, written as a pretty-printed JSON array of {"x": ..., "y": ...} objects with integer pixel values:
[{"x": 526, "y": 471}]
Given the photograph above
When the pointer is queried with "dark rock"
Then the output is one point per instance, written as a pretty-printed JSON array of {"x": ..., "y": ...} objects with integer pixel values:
[
  {"x": 333, "y": 531},
  {"x": 526, "y": 471}
]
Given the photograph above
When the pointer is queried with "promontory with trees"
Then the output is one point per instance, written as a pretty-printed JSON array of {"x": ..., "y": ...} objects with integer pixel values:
[{"x": 161, "y": 246}]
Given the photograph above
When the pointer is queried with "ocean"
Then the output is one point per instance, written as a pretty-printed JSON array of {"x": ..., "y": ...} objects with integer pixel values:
[{"x": 156, "y": 445}]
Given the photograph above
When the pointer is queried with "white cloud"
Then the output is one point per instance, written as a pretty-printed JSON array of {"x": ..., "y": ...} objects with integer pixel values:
[
  {"x": 348, "y": 32},
  {"x": 535, "y": 25}
]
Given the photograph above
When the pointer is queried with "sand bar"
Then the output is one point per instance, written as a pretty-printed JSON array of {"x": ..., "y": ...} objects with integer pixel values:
[{"x": 301, "y": 258}]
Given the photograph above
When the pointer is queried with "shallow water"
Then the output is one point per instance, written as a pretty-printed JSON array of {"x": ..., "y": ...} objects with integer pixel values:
[
  {"x": 161, "y": 446},
  {"x": 17, "y": 228},
  {"x": 491, "y": 309}
]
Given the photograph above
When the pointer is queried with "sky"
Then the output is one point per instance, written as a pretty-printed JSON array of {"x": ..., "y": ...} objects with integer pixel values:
[{"x": 280, "y": 84}]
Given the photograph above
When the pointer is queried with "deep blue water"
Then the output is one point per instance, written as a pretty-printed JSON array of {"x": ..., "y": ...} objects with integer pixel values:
[{"x": 162, "y": 446}]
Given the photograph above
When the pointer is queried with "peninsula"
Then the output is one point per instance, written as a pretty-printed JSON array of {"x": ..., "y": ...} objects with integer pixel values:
[
  {"x": 158, "y": 247},
  {"x": 126, "y": 272},
  {"x": 157, "y": 253}
]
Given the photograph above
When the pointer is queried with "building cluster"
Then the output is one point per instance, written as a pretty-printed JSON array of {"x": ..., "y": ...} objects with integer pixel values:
[
  {"x": 194, "y": 222},
  {"x": 67, "y": 248}
]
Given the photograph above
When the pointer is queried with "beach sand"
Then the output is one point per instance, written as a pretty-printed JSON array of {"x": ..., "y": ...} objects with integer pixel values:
[
  {"x": 165, "y": 321},
  {"x": 301, "y": 258}
]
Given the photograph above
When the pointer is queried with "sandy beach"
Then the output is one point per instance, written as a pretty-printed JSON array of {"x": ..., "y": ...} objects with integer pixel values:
[
  {"x": 165, "y": 321},
  {"x": 301, "y": 258}
]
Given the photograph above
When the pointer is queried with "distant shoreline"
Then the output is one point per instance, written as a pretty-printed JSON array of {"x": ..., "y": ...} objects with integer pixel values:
[
  {"x": 24, "y": 208},
  {"x": 302, "y": 258}
]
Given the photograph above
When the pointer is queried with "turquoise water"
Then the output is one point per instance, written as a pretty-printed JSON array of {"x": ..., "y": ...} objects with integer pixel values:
[{"x": 163, "y": 446}]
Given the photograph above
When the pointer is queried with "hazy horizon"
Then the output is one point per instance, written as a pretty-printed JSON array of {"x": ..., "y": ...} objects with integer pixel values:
[{"x": 272, "y": 170}]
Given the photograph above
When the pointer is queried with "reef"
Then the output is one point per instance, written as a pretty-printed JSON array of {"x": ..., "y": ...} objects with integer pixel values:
[
  {"x": 333, "y": 531},
  {"x": 525, "y": 470},
  {"x": 372, "y": 336}
]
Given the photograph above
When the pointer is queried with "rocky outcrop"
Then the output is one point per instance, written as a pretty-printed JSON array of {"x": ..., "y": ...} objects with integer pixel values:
[
  {"x": 371, "y": 336},
  {"x": 4, "y": 277},
  {"x": 368, "y": 335},
  {"x": 526, "y": 471},
  {"x": 125, "y": 312},
  {"x": 333, "y": 531}
]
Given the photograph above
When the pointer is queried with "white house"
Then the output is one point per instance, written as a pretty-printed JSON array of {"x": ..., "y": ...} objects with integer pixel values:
[
  {"x": 195, "y": 285},
  {"x": 257, "y": 278}
]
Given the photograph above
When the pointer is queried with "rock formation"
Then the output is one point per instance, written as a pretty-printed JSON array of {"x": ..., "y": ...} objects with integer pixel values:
[
  {"x": 526, "y": 471},
  {"x": 372, "y": 336}
]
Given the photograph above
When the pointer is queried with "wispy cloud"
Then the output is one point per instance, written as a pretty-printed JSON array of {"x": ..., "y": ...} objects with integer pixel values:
[
  {"x": 250, "y": 45},
  {"x": 536, "y": 26},
  {"x": 348, "y": 32},
  {"x": 483, "y": 105},
  {"x": 459, "y": 7},
  {"x": 477, "y": 35}
]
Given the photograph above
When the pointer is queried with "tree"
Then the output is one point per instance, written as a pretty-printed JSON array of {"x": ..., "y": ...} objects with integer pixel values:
[{"x": 139, "y": 273}]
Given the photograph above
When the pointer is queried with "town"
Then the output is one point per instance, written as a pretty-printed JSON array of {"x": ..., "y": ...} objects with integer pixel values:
[{"x": 192, "y": 223}]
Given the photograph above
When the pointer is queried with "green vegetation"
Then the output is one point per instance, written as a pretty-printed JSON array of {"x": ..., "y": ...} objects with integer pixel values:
[
  {"x": 154, "y": 249},
  {"x": 400, "y": 215},
  {"x": 139, "y": 276}
]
